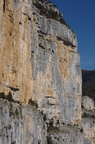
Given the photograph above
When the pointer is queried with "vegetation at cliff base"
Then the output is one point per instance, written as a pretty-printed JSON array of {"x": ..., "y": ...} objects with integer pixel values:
[
  {"x": 88, "y": 83},
  {"x": 33, "y": 103},
  {"x": 8, "y": 97}
]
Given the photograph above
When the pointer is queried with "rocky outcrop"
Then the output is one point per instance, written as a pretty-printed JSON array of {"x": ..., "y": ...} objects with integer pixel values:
[
  {"x": 88, "y": 120},
  {"x": 21, "y": 124},
  {"x": 40, "y": 67},
  {"x": 55, "y": 69}
]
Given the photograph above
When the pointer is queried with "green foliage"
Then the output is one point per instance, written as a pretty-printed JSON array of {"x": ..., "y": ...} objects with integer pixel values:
[
  {"x": 44, "y": 117},
  {"x": 81, "y": 130},
  {"x": 42, "y": 0},
  {"x": 51, "y": 122},
  {"x": 50, "y": 13},
  {"x": 88, "y": 114},
  {"x": 9, "y": 97},
  {"x": 14, "y": 142},
  {"x": 63, "y": 22},
  {"x": 49, "y": 140},
  {"x": 88, "y": 83},
  {"x": 57, "y": 122},
  {"x": 51, "y": 126},
  {"x": 33, "y": 103},
  {"x": 2, "y": 95}
]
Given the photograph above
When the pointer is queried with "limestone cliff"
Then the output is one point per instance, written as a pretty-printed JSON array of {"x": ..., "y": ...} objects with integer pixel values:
[
  {"x": 40, "y": 67},
  {"x": 15, "y": 48},
  {"x": 88, "y": 120}
]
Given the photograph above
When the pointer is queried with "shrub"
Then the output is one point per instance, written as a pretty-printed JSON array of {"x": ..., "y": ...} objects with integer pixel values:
[
  {"x": 42, "y": 0},
  {"x": 33, "y": 103},
  {"x": 9, "y": 97},
  {"x": 51, "y": 122},
  {"x": 14, "y": 142},
  {"x": 44, "y": 117},
  {"x": 2, "y": 95},
  {"x": 49, "y": 140},
  {"x": 50, "y": 13},
  {"x": 81, "y": 130},
  {"x": 57, "y": 122}
]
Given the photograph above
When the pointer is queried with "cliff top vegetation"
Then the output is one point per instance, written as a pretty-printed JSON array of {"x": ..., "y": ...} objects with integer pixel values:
[{"x": 46, "y": 8}]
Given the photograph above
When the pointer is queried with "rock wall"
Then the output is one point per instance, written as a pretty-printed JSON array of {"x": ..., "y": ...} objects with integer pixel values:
[
  {"x": 56, "y": 70},
  {"x": 40, "y": 65},
  {"x": 15, "y": 48},
  {"x": 21, "y": 124},
  {"x": 88, "y": 120}
]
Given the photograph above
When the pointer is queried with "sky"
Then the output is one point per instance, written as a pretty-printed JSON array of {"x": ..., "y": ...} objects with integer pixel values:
[{"x": 80, "y": 16}]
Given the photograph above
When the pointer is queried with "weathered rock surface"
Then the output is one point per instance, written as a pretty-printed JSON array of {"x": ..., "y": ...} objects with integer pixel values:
[
  {"x": 39, "y": 65},
  {"x": 15, "y": 48},
  {"x": 55, "y": 69},
  {"x": 88, "y": 120},
  {"x": 88, "y": 103},
  {"x": 21, "y": 124},
  {"x": 39, "y": 60}
]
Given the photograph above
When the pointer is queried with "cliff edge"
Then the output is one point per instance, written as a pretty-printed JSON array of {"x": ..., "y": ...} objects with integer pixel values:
[{"x": 40, "y": 75}]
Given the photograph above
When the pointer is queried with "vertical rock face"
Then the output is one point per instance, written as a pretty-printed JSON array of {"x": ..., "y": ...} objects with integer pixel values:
[
  {"x": 39, "y": 64},
  {"x": 21, "y": 124},
  {"x": 39, "y": 60},
  {"x": 88, "y": 120},
  {"x": 55, "y": 69},
  {"x": 15, "y": 48}
]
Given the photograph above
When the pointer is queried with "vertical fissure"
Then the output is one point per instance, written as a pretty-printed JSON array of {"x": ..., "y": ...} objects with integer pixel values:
[{"x": 4, "y": 5}]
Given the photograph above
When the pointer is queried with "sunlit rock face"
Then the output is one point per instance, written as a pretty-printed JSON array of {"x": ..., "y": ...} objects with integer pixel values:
[
  {"x": 39, "y": 60},
  {"x": 55, "y": 69},
  {"x": 15, "y": 48}
]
